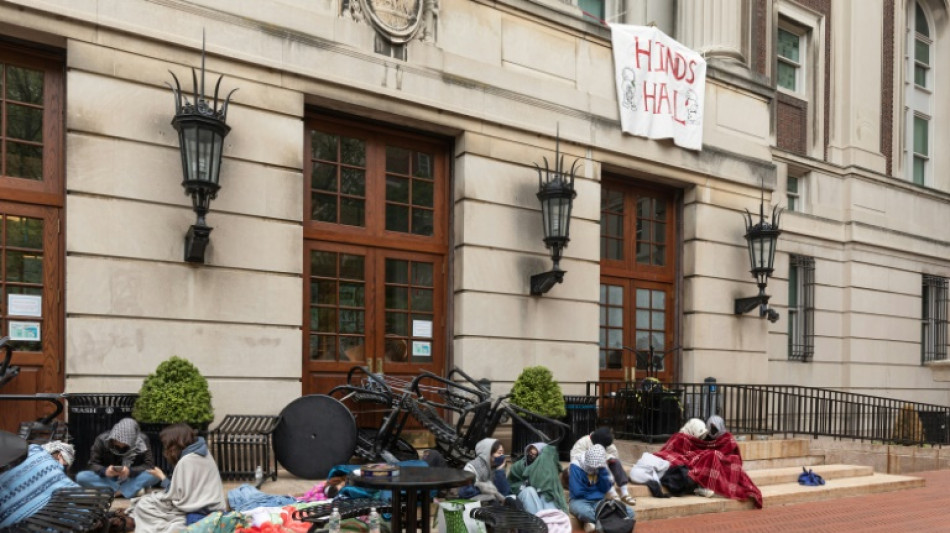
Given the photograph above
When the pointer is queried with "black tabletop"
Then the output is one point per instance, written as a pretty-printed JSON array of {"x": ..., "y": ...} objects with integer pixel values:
[
  {"x": 417, "y": 476},
  {"x": 12, "y": 449}
]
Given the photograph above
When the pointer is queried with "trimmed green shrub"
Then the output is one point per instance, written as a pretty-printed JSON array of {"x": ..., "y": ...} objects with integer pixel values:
[
  {"x": 175, "y": 392},
  {"x": 536, "y": 390}
]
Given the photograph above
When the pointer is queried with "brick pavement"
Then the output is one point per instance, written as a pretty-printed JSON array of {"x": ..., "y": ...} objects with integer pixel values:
[{"x": 922, "y": 510}]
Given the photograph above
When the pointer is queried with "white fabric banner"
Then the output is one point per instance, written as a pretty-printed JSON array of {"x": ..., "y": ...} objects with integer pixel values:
[{"x": 661, "y": 85}]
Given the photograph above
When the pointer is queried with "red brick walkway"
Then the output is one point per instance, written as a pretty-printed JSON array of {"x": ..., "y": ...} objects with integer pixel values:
[{"x": 916, "y": 510}]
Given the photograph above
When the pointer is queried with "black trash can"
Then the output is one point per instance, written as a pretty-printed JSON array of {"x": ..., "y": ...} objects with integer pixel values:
[
  {"x": 582, "y": 417},
  {"x": 92, "y": 414}
]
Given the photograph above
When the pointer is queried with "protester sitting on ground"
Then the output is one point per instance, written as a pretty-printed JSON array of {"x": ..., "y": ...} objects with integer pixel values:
[
  {"x": 490, "y": 483},
  {"x": 193, "y": 491},
  {"x": 120, "y": 459},
  {"x": 589, "y": 483},
  {"x": 605, "y": 437},
  {"x": 63, "y": 453},
  {"x": 535, "y": 479},
  {"x": 715, "y": 465},
  {"x": 28, "y": 486}
]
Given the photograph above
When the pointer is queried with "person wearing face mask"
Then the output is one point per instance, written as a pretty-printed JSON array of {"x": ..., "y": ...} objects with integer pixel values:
[
  {"x": 491, "y": 483},
  {"x": 589, "y": 483},
  {"x": 534, "y": 479},
  {"x": 120, "y": 459}
]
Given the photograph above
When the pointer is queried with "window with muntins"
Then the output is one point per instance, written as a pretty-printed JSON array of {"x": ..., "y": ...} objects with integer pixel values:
[
  {"x": 801, "y": 308},
  {"x": 792, "y": 194},
  {"x": 637, "y": 280},
  {"x": 375, "y": 248},
  {"x": 919, "y": 95},
  {"x": 933, "y": 324},
  {"x": 790, "y": 54}
]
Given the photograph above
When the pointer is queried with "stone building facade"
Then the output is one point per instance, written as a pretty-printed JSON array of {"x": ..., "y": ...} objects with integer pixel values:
[{"x": 378, "y": 202}]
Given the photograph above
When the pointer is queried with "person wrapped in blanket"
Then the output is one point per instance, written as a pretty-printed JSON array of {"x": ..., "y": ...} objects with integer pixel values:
[
  {"x": 28, "y": 486},
  {"x": 193, "y": 492},
  {"x": 711, "y": 455},
  {"x": 490, "y": 483},
  {"x": 589, "y": 482},
  {"x": 535, "y": 479}
]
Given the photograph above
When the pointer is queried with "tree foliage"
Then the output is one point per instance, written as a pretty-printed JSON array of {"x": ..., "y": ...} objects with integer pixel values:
[
  {"x": 536, "y": 390},
  {"x": 175, "y": 392}
]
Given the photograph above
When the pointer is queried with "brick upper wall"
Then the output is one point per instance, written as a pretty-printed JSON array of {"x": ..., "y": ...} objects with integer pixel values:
[
  {"x": 887, "y": 88},
  {"x": 791, "y": 124}
]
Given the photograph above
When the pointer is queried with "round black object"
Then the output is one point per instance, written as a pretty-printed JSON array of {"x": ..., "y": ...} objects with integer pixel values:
[{"x": 315, "y": 433}]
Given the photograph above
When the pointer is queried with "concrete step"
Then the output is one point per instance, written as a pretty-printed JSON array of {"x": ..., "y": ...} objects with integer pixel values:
[
  {"x": 782, "y": 462},
  {"x": 774, "y": 495},
  {"x": 756, "y": 453},
  {"x": 775, "y": 476}
]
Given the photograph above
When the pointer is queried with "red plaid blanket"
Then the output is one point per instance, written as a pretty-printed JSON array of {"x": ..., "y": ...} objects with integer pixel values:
[{"x": 716, "y": 465}]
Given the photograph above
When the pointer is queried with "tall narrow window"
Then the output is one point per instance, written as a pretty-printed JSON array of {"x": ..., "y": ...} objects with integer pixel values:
[
  {"x": 793, "y": 196},
  {"x": 922, "y": 47},
  {"x": 933, "y": 324},
  {"x": 801, "y": 308},
  {"x": 790, "y": 50},
  {"x": 921, "y": 148},
  {"x": 919, "y": 87}
]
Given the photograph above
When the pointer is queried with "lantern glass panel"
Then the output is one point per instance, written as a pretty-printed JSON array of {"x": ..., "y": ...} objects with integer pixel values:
[
  {"x": 205, "y": 155},
  {"x": 189, "y": 140}
]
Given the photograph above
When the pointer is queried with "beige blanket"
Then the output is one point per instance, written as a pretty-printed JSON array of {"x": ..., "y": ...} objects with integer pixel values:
[{"x": 195, "y": 485}]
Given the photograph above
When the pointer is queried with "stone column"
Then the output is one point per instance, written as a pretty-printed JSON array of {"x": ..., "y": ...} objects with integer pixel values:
[{"x": 715, "y": 28}]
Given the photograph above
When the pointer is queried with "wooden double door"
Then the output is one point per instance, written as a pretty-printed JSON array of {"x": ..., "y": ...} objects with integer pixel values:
[
  {"x": 31, "y": 204},
  {"x": 638, "y": 281},
  {"x": 375, "y": 241}
]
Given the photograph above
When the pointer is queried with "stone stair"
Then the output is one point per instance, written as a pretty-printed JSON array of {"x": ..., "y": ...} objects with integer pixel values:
[{"x": 774, "y": 466}]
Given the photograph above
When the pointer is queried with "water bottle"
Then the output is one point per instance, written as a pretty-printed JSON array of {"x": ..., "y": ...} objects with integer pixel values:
[
  {"x": 373, "y": 520},
  {"x": 335, "y": 521}
]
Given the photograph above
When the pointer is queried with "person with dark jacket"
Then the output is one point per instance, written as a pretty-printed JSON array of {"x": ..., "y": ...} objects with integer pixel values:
[{"x": 120, "y": 459}]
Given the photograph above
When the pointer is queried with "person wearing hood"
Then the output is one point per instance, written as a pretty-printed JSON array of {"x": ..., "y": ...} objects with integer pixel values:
[
  {"x": 589, "y": 482},
  {"x": 120, "y": 460},
  {"x": 489, "y": 469},
  {"x": 535, "y": 479},
  {"x": 605, "y": 437},
  {"x": 193, "y": 491}
]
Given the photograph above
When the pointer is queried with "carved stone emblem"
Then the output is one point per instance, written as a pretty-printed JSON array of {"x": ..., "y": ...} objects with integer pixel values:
[{"x": 397, "y": 20}]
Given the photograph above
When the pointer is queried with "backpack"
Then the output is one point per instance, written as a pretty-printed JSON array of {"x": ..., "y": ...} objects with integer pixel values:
[{"x": 611, "y": 517}]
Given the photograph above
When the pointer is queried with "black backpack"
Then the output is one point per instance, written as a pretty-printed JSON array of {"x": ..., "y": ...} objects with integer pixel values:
[{"x": 611, "y": 517}]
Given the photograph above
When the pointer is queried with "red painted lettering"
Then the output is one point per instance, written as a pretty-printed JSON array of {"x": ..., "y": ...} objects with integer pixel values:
[
  {"x": 664, "y": 97},
  {"x": 676, "y": 109},
  {"x": 643, "y": 51},
  {"x": 691, "y": 77},
  {"x": 649, "y": 93}
]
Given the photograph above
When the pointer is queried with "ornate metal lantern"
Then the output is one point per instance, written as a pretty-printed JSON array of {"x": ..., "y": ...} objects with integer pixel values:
[
  {"x": 201, "y": 131},
  {"x": 556, "y": 193},
  {"x": 761, "y": 239}
]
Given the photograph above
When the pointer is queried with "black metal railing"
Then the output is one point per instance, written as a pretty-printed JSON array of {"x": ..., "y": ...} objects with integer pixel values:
[{"x": 649, "y": 411}]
